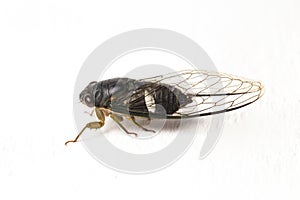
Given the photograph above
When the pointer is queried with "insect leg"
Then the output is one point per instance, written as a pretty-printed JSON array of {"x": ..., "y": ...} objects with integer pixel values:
[
  {"x": 115, "y": 118},
  {"x": 132, "y": 118},
  {"x": 92, "y": 125}
]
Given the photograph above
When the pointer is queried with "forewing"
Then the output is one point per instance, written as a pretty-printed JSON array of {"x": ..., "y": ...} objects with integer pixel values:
[{"x": 211, "y": 92}]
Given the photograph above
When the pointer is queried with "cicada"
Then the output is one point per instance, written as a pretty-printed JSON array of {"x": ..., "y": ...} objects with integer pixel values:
[{"x": 177, "y": 95}]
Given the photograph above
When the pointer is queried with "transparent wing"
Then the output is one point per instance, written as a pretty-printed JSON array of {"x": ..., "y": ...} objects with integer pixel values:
[{"x": 209, "y": 92}]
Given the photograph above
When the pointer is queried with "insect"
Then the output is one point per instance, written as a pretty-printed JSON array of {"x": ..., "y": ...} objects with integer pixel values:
[{"x": 178, "y": 95}]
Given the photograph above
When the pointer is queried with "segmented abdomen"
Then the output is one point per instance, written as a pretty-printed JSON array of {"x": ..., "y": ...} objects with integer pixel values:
[
  {"x": 150, "y": 95},
  {"x": 121, "y": 94}
]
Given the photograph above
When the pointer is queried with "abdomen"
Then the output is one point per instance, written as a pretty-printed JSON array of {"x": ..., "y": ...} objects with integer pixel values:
[{"x": 133, "y": 96}]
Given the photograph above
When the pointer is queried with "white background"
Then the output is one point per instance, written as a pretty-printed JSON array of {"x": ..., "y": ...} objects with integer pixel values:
[{"x": 42, "y": 47}]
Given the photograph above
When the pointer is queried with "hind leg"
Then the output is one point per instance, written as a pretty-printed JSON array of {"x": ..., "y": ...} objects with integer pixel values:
[
  {"x": 132, "y": 118},
  {"x": 116, "y": 118}
]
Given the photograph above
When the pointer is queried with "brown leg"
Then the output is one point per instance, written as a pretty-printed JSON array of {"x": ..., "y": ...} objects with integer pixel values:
[
  {"x": 92, "y": 125},
  {"x": 115, "y": 118},
  {"x": 135, "y": 122}
]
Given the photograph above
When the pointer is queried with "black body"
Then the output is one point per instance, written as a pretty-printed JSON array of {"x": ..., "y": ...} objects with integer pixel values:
[
  {"x": 125, "y": 95},
  {"x": 184, "y": 94}
]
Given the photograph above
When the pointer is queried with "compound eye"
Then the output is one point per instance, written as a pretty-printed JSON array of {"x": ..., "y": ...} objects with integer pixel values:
[{"x": 87, "y": 99}]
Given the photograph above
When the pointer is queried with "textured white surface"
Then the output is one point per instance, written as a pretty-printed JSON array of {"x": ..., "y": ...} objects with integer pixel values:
[{"x": 42, "y": 46}]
